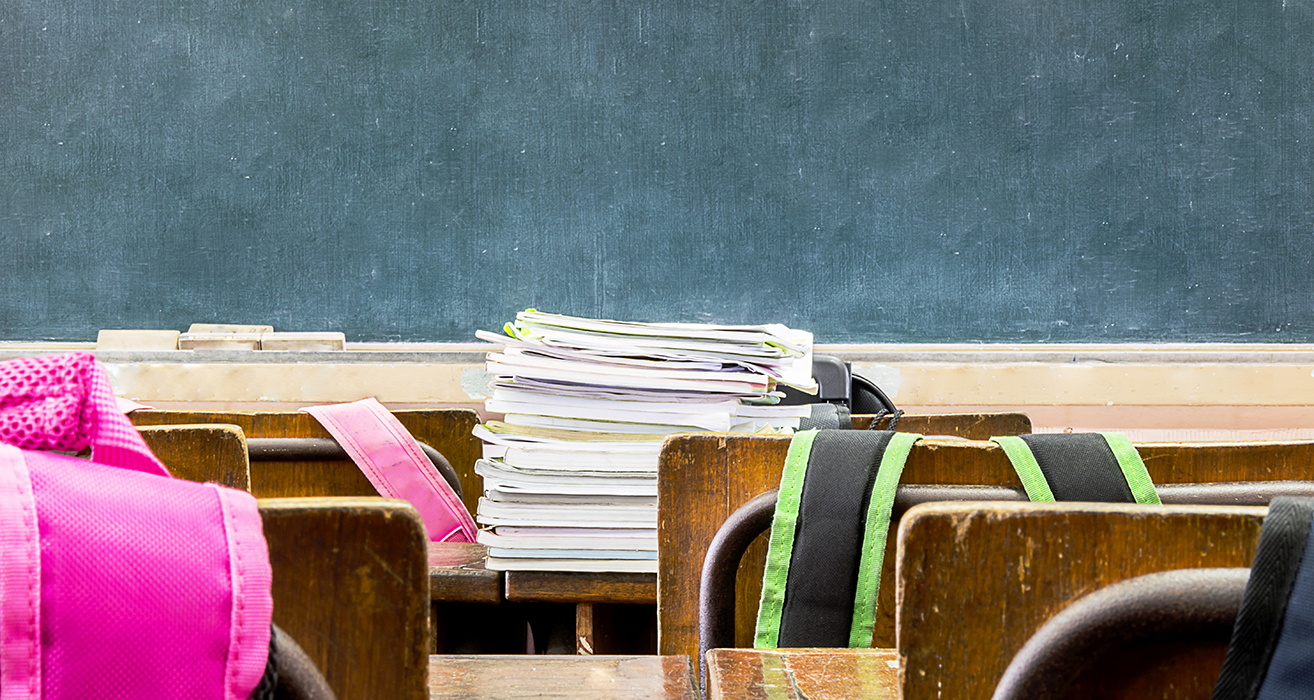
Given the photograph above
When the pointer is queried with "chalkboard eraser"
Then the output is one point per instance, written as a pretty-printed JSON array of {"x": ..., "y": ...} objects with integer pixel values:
[
  {"x": 219, "y": 341},
  {"x": 137, "y": 340},
  {"x": 228, "y": 328},
  {"x": 303, "y": 342}
]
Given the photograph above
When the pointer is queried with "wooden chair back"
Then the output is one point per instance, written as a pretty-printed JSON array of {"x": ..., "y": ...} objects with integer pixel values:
[
  {"x": 976, "y": 580},
  {"x": 702, "y": 479},
  {"x": 215, "y": 453},
  {"x": 351, "y": 586},
  {"x": 447, "y": 430}
]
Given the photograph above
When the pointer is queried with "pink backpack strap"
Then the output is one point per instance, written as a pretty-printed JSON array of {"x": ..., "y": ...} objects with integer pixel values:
[
  {"x": 64, "y": 403},
  {"x": 391, "y": 459},
  {"x": 20, "y": 581}
]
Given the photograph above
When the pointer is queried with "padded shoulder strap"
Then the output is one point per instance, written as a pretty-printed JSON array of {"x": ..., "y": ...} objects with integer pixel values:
[
  {"x": 828, "y": 537},
  {"x": 1269, "y": 656},
  {"x": 391, "y": 459},
  {"x": 1093, "y": 467},
  {"x": 20, "y": 581}
]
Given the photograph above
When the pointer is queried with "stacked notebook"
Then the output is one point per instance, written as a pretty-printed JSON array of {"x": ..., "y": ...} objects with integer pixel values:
[{"x": 570, "y": 476}]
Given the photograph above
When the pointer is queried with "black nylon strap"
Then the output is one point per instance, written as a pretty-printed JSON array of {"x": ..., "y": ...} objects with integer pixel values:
[
  {"x": 1080, "y": 467},
  {"x": 827, "y": 416},
  {"x": 264, "y": 690},
  {"x": 1291, "y": 670},
  {"x": 1259, "y": 622},
  {"x": 832, "y": 514}
]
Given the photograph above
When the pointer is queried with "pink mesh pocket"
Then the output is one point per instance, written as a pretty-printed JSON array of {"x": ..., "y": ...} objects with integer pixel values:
[{"x": 64, "y": 403}]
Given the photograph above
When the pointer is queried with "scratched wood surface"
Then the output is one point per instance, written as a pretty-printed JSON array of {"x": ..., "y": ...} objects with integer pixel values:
[
  {"x": 515, "y": 677},
  {"x": 973, "y": 426},
  {"x": 447, "y": 430},
  {"x": 215, "y": 453},
  {"x": 351, "y": 585},
  {"x": 975, "y": 581},
  {"x": 803, "y": 674},
  {"x": 457, "y": 573},
  {"x": 580, "y": 587},
  {"x": 704, "y": 478}
]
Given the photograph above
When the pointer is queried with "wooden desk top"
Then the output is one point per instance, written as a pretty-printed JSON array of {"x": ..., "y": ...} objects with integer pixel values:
[
  {"x": 803, "y": 674},
  {"x": 513, "y": 677},
  {"x": 580, "y": 587},
  {"x": 457, "y": 573}
]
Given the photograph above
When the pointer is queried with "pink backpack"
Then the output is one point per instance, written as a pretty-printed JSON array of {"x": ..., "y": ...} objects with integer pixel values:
[{"x": 116, "y": 580}]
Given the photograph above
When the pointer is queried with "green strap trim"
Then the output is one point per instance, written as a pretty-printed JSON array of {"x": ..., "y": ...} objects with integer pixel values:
[
  {"x": 1024, "y": 463},
  {"x": 879, "y": 509},
  {"x": 1133, "y": 469},
  {"x": 781, "y": 543}
]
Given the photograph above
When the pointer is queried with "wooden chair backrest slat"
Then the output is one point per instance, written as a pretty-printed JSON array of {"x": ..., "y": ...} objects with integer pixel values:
[
  {"x": 351, "y": 586},
  {"x": 975, "y": 581},
  {"x": 215, "y": 453},
  {"x": 972, "y": 426}
]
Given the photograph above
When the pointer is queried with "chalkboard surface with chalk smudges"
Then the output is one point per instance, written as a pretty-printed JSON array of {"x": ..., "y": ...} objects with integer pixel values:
[{"x": 961, "y": 170}]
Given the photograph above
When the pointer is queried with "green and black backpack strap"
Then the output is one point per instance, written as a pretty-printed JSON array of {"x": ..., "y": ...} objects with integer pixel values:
[
  {"x": 828, "y": 535},
  {"x": 1269, "y": 656},
  {"x": 1098, "y": 467}
]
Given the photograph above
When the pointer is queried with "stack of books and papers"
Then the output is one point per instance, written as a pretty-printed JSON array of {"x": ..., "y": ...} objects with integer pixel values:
[{"x": 570, "y": 475}]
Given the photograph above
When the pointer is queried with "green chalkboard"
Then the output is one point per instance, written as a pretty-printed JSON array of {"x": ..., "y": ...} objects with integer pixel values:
[{"x": 938, "y": 170}]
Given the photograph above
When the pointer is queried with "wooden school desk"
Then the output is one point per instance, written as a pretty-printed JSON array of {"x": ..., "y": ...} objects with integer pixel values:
[{"x": 704, "y": 478}]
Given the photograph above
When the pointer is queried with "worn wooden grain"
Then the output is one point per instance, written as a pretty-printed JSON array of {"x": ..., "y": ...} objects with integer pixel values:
[
  {"x": 975, "y": 581},
  {"x": 447, "y": 430},
  {"x": 702, "y": 479},
  {"x": 580, "y": 587},
  {"x": 457, "y": 573},
  {"x": 215, "y": 453},
  {"x": 515, "y": 677},
  {"x": 973, "y": 426},
  {"x": 803, "y": 674},
  {"x": 584, "y": 629},
  {"x": 351, "y": 585}
]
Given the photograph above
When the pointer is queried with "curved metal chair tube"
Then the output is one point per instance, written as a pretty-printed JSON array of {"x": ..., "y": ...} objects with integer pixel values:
[
  {"x": 910, "y": 495},
  {"x": 1232, "y": 493},
  {"x": 1196, "y": 605},
  {"x": 863, "y": 393},
  {"x": 298, "y": 677},
  {"x": 327, "y": 449},
  {"x": 1226, "y": 493},
  {"x": 716, "y": 590}
]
